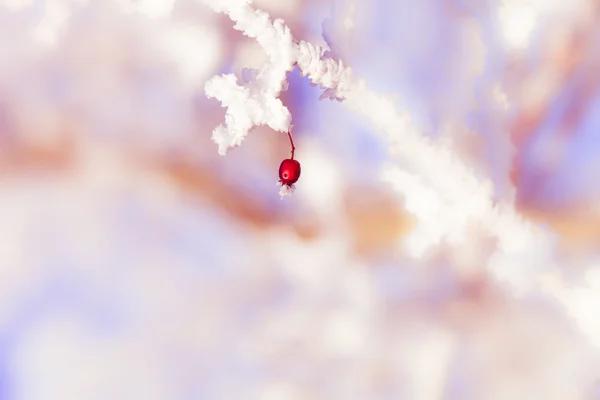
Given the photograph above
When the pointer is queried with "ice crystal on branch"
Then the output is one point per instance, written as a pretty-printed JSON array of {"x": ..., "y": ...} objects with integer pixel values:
[
  {"x": 246, "y": 108},
  {"x": 462, "y": 196},
  {"x": 329, "y": 74},
  {"x": 257, "y": 103}
]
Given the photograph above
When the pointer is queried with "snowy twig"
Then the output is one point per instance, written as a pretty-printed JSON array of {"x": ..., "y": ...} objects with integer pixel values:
[
  {"x": 439, "y": 189},
  {"x": 257, "y": 102}
]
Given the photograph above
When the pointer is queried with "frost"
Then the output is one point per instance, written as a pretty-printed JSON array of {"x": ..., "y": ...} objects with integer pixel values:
[
  {"x": 138, "y": 264},
  {"x": 245, "y": 109},
  {"x": 461, "y": 196},
  {"x": 285, "y": 190},
  {"x": 262, "y": 87}
]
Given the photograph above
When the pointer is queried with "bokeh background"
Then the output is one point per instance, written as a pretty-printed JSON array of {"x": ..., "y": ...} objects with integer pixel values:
[{"x": 136, "y": 263}]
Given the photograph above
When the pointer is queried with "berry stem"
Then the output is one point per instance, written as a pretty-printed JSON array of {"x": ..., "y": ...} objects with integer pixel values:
[{"x": 292, "y": 143}]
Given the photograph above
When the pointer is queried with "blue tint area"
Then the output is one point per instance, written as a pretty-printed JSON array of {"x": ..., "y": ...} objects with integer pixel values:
[
  {"x": 461, "y": 374},
  {"x": 398, "y": 27},
  {"x": 313, "y": 16},
  {"x": 339, "y": 129},
  {"x": 579, "y": 175},
  {"x": 195, "y": 233},
  {"x": 484, "y": 120},
  {"x": 570, "y": 179},
  {"x": 61, "y": 290},
  {"x": 530, "y": 173},
  {"x": 25, "y": 312},
  {"x": 393, "y": 282},
  {"x": 342, "y": 134},
  {"x": 303, "y": 94},
  {"x": 370, "y": 149},
  {"x": 58, "y": 85},
  {"x": 96, "y": 291},
  {"x": 5, "y": 375},
  {"x": 433, "y": 49},
  {"x": 226, "y": 67}
]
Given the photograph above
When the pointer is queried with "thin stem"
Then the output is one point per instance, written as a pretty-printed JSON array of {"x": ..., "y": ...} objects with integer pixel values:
[{"x": 292, "y": 143}]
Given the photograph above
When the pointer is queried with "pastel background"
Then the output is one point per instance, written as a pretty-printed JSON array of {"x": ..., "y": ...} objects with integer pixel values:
[{"x": 137, "y": 263}]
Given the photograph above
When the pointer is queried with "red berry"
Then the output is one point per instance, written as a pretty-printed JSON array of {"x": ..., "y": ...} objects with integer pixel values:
[{"x": 289, "y": 171}]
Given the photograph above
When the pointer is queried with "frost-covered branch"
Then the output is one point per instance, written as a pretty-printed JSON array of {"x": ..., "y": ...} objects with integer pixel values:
[
  {"x": 256, "y": 102},
  {"x": 438, "y": 188}
]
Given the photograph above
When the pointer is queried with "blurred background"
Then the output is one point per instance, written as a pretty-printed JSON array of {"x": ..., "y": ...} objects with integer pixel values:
[{"x": 137, "y": 263}]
